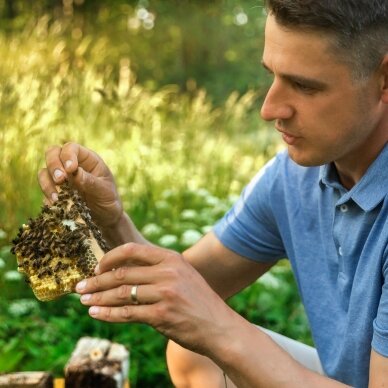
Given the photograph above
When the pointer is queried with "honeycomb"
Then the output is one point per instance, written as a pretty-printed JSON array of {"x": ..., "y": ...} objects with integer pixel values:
[{"x": 60, "y": 247}]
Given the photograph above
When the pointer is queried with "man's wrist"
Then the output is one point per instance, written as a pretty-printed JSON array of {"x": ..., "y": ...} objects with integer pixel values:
[{"x": 122, "y": 231}]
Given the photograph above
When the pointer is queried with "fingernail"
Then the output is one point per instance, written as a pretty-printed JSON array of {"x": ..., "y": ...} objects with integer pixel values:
[
  {"x": 86, "y": 297},
  {"x": 97, "y": 269},
  {"x": 81, "y": 285},
  {"x": 94, "y": 310},
  {"x": 54, "y": 197},
  {"x": 68, "y": 163},
  {"x": 58, "y": 174}
]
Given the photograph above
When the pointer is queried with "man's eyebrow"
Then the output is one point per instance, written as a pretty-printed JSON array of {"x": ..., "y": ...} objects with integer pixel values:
[{"x": 309, "y": 82}]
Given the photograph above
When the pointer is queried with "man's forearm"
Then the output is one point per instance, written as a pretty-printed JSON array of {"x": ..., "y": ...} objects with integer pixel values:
[
  {"x": 252, "y": 359},
  {"x": 122, "y": 232}
]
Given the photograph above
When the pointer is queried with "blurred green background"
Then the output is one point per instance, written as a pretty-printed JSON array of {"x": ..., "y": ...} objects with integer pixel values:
[{"x": 168, "y": 92}]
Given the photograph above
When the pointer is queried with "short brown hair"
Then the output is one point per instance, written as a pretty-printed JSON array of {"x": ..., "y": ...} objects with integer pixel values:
[{"x": 358, "y": 28}]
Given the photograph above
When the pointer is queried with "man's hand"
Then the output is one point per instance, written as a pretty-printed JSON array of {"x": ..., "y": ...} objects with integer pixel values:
[
  {"x": 173, "y": 297},
  {"x": 87, "y": 173}
]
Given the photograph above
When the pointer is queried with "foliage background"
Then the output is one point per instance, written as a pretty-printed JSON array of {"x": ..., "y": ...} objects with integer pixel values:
[{"x": 168, "y": 93}]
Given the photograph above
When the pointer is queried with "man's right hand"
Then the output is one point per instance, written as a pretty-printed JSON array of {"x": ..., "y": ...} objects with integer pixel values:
[{"x": 86, "y": 172}]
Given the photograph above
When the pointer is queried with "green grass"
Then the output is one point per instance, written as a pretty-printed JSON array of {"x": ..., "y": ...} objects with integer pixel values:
[
  {"x": 48, "y": 98},
  {"x": 179, "y": 162}
]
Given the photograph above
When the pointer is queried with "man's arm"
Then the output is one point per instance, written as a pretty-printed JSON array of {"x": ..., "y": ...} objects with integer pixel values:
[
  {"x": 378, "y": 371},
  {"x": 225, "y": 271},
  {"x": 178, "y": 302},
  {"x": 246, "y": 354},
  {"x": 252, "y": 359}
]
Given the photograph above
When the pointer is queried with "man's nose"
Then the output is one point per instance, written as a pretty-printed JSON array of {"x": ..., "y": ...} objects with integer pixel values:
[{"x": 276, "y": 104}]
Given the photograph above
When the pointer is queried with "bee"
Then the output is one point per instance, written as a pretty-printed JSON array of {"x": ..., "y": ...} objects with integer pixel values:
[{"x": 58, "y": 266}]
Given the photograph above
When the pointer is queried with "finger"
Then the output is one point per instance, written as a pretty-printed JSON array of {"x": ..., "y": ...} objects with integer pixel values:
[
  {"x": 69, "y": 157},
  {"x": 74, "y": 155},
  {"x": 134, "y": 254},
  {"x": 54, "y": 165},
  {"x": 48, "y": 186},
  {"x": 122, "y": 296},
  {"x": 113, "y": 279},
  {"x": 129, "y": 313}
]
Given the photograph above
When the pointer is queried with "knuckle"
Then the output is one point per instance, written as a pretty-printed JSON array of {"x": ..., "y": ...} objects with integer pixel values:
[
  {"x": 169, "y": 293},
  {"x": 95, "y": 282},
  {"x": 171, "y": 272},
  {"x": 107, "y": 313},
  {"x": 161, "y": 312},
  {"x": 97, "y": 298},
  {"x": 125, "y": 312},
  {"x": 129, "y": 248},
  {"x": 120, "y": 273},
  {"x": 123, "y": 291}
]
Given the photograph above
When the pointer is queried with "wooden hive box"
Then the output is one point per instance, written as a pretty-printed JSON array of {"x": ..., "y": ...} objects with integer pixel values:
[
  {"x": 27, "y": 380},
  {"x": 97, "y": 362}
]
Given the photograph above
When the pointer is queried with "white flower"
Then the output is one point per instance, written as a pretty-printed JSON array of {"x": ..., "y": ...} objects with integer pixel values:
[
  {"x": 22, "y": 306},
  {"x": 167, "y": 194},
  {"x": 2, "y": 263},
  {"x": 168, "y": 240},
  {"x": 206, "y": 229},
  {"x": 211, "y": 200},
  {"x": 189, "y": 214},
  {"x": 150, "y": 230},
  {"x": 269, "y": 280},
  {"x": 162, "y": 205},
  {"x": 190, "y": 237},
  {"x": 232, "y": 198},
  {"x": 12, "y": 276},
  {"x": 202, "y": 193}
]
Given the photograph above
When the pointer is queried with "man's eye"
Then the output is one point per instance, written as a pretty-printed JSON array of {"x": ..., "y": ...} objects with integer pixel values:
[{"x": 304, "y": 88}]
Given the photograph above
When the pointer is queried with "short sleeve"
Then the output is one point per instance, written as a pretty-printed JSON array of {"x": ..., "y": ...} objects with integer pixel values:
[
  {"x": 249, "y": 228},
  {"x": 380, "y": 324}
]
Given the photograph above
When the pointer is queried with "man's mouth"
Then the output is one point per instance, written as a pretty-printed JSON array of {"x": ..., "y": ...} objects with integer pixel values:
[{"x": 287, "y": 137}]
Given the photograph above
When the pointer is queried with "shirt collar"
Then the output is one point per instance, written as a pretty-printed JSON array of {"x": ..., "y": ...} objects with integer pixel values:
[{"x": 369, "y": 191}]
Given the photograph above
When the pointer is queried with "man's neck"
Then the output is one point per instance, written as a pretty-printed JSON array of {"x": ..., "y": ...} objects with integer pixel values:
[{"x": 351, "y": 170}]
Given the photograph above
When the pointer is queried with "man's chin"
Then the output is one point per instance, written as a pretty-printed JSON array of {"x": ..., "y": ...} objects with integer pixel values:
[{"x": 305, "y": 159}]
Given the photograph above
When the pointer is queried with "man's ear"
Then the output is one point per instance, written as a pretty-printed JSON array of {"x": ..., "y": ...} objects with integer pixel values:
[{"x": 384, "y": 79}]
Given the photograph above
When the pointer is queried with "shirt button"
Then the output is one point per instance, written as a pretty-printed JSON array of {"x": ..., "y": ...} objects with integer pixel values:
[
  {"x": 340, "y": 251},
  {"x": 344, "y": 208}
]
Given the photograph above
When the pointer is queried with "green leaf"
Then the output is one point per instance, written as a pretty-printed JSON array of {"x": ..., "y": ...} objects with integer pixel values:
[{"x": 10, "y": 360}]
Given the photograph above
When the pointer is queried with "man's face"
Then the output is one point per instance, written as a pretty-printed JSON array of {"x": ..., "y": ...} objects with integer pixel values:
[{"x": 322, "y": 113}]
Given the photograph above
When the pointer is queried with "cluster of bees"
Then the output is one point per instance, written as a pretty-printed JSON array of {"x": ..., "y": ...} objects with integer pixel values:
[{"x": 58, "y": 240}]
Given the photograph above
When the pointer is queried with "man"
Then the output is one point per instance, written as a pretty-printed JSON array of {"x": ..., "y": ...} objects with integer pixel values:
[{"x": 323, "y": 204}]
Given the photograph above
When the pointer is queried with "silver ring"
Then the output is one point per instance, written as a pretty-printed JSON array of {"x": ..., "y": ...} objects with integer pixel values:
[{"x": 134, "y": 295}]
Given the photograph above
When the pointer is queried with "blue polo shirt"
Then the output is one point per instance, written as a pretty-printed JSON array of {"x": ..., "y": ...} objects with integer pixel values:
[{"x": 337, "y": 244}]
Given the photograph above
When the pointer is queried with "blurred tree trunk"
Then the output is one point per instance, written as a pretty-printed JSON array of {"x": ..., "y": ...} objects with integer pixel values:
[{"x": 10, "y": 9}]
